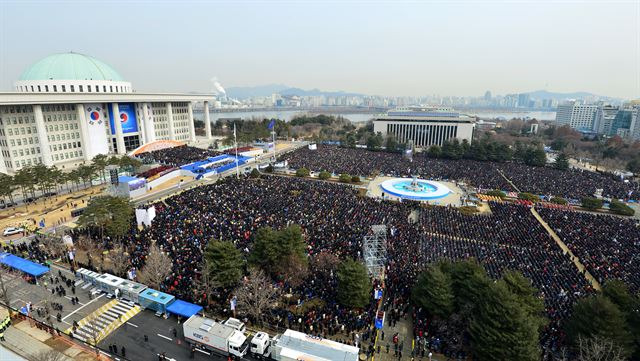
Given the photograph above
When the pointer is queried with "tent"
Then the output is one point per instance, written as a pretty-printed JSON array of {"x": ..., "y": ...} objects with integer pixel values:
[
  {"x": 21, "y": 264},
  {"x": 183, "y": 308}
]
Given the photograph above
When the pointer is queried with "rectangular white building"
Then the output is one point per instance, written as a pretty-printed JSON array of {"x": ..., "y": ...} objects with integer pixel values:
[{"x": 424, "y": 126}]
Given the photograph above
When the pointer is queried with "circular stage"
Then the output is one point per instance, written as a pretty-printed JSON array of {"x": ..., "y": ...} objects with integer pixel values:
[{"x": 415, "y": 189}]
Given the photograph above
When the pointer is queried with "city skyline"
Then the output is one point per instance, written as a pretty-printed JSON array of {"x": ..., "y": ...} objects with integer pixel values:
[{"x": 374, "y": 48}]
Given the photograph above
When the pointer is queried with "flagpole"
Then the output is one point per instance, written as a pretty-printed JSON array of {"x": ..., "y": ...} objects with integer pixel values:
[{"x": 235, "y": 142}]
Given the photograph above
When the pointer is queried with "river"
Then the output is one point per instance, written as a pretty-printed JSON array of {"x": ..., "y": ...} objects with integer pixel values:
[{"x": 287, "y": 115}]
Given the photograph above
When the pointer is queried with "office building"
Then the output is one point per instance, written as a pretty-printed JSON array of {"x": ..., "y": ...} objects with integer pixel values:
[
  {"x": 68, "y": 108},
  {"x": 424, "y": 126},
  {"x": 577, "y": 116}
]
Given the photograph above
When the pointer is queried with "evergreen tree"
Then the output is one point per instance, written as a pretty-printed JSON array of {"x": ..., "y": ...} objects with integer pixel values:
[
  {"x": 527, "y": 295},
  {"x": 434, "y": 151},
  {"x": 501, "y": 329},
  {"x": 598, "y": 316},
  {"x": 273, "y": 250},
  {"x": 535, "y": 156},
  {"x": 562, "y": 162},
  {"x": 433, "y": 292},
  {"x": 354, "y": 285},
  {"x": 391, "y": 144},
  {"x": 468, "y": 281},
  {"x": 224, "y": 263}
]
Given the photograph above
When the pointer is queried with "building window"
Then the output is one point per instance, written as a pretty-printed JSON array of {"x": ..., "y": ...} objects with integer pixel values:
[
  {"x": 63, "y": 89},
  {"x": 80, "y": 86},
  {"x": 55, "y": 88},
  {"x": 104, "y": 88},
  {"x": 39, "y": 89}
]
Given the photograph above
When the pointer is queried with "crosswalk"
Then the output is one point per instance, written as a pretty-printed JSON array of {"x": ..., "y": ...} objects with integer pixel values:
[{"x": 99, "y": 324}]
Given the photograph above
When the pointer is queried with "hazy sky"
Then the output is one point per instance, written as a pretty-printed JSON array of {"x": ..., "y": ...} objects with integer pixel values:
[{"x": 372, "y": 47}]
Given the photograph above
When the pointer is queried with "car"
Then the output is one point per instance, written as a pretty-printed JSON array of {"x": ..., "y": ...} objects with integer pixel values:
[
  {"x": 10, "y": 231},
  {"x": 7, "y": 205},
  {"x": 50, "y": 194}
]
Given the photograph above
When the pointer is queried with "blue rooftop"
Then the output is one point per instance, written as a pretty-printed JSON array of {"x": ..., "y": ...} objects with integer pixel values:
[{"x": 24, "y": 265}]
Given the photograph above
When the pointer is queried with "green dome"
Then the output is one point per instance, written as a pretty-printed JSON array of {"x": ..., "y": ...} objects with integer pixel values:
[{"x": 70, "y": 66}]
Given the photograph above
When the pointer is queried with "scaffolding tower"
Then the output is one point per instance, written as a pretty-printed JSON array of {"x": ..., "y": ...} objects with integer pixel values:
[{"x": 374, "y": 250}]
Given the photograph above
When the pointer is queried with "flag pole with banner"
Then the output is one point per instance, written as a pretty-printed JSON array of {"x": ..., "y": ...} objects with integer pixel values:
[
  {"x": 272, "y": 125},
  {"x": 235, "y": 143}
]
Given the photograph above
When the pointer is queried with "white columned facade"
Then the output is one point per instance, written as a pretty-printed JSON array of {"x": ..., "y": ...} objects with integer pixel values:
[
  {"x": 42, "y": 135},
  {"x": 142, "y": 119},
  {"x": 84, "y": 131},
  {"x": 119, "y": 135},
  {"x": 150, "y": 129},
  {"x": 172, "y": 134},
  {"x": 207, "y": 120},
  {"x": 192, "y": 130}
]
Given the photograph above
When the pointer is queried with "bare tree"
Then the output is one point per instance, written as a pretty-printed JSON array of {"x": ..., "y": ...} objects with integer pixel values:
[
  {"x": 48, "y": 355},
  {"x": 53, "y": 245},
  {"x": 4, "y": 291},
  {"x": 119, "y": 259},
  {"x": 599, "y": 349},
  {"x": 206, "y": 284},
  {"x": 156, "y": 268},
  {"x": 294, "y": 270},
  {"x": 256, "y": 295}
]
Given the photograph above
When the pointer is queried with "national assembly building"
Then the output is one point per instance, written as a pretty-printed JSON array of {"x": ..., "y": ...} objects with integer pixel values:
[
  {"x": 424, "y": 126},
  {"x": 68, "y": 108}
]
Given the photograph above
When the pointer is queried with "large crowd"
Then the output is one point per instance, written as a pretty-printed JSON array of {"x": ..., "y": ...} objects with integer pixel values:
[
  {"x": 570, "y": 184},
  {"x": 608, "y": 246},
  {"x": 335, "y": 218},
  {"x": 177, "y": 156}
]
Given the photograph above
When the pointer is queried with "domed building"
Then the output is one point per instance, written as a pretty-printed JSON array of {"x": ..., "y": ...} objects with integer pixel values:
[{"x": 67, "y": 108}]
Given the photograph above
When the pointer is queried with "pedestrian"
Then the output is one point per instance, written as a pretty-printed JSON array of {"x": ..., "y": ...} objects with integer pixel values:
[
  {"x": 124, "y": 352},
  {"x": 146, "y": 338},
  {"x": 175, "y": 332},
  {"x": 387, "y": 347}
]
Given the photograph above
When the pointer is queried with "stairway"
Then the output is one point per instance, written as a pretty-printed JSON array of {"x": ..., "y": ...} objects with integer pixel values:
[{"x": 99, "y": 324}]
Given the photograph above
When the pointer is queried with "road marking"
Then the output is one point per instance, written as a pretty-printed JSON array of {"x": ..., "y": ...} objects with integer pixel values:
[
  {"x": 69, "y": 298},
  {"x": 131, "y": 324},
  {"x": 167, "y": 358},
  {"x": 165, "y": 337},
  {"x": 204, "y": 352},
  {"x": 83, "y": 306}
]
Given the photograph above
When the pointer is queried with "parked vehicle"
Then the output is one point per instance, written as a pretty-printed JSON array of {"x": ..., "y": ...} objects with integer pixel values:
[
  {"x": 7, "y": 205},
  {"x": 294, "y": 346},
  {"x": 215, "y": 337},
  {"x": 236, "y": 324},
  {"x": 10, "y": 231}
]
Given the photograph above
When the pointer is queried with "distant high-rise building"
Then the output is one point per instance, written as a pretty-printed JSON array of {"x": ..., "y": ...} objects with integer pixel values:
[
  {"x": 604, "y": 119},
  {"x": 487, "y": 96},
  {"x": 523, "y": 100},
  {"x": 577, "y": 116}
]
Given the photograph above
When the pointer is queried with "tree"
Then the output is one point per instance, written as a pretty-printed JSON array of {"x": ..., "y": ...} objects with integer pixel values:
[
  {"x": 618, "y": 207},
  {"x": 374, "y": 141},
  {"x": 355, "y": 179},
  {"x": 597, "y": 316},
  {"x": 256, "y": 296},
  {"x": 354, "y": 285},
  {"x": 273, "y": 249},
  {"x": 344, "y": 178},
  {"x": 591, "y": 203},
  {"x": 501, "y": 329},
  {"x": 391, "y": 144},
  {"x": 5, "y": 294},
  {"x": 254, "y": 173},
  {"x": 120, "y": 260},
  {"x": 108, "y": 213},
  {"x": 535, "y": 156},
  {"x": 559, "y": 200},
  {"x": 527, "y": 295},
  {"x": 634, "y": 165},
  {"x": 25, "y": 180},
  {"x": 324, "y": 175},
  {"x": 100, "y": 163},
  {"x": 562, "y": 162},
  {"x": 156, "y": 268},
  {"x": 528, "y": 197},
  {"x": 434, "y": 151},
  {"x": 599, "y": 349},
  {"x": 7, "y": 187},
  {"x": 302, "y": 172},
  {"x": 206, "y": 284},
  {"x": 434, "y": 293},
  {"x": 224, "y": 263},
  {"x": 496, "y": 193},
  {"x": 468, "y": 280}
]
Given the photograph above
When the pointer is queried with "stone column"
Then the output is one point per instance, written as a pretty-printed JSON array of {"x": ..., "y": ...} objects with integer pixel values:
[
  {"x": 172, "y": 134},
  {"x": 150, "y": 129},
  {"x": 192, "y": 130},
  {"x": 118, "y": 124},
  {"x": 142, "y": 127},
  {"x": 84, "y": 131},
  {"x": 207, "y": 120},
  {"x": 42, "y": 135}
]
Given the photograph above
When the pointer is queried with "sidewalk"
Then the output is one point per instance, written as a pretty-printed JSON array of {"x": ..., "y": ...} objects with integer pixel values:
[{"x": 31, "y": 343}]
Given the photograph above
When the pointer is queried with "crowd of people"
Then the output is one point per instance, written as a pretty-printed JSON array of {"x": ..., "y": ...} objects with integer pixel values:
[
  {"x": 570, "y": 184},
  {"x": 608, "y": 246},
  {"x": 177, "y": 156}
]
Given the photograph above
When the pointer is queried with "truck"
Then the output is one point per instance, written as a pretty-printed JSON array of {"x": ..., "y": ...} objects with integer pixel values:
[
  {"x": 216, "y": 337},
  {"x": 297, "y": 346}
]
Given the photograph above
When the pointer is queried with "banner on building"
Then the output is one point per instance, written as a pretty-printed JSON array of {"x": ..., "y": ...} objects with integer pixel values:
[
  {"x": 96, "y": 116},
  {"x": 126, "y": 116}
]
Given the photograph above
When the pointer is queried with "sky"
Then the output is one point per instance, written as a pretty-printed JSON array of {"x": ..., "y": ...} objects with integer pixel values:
[{"x": 391, "y": 48}]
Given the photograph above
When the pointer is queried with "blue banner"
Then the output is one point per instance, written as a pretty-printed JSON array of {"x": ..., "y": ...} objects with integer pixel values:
[{"x": 127, "y": 118}]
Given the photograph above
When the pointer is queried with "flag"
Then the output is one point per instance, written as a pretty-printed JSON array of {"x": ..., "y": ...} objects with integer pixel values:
[{"x": 272, "y": 124}]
